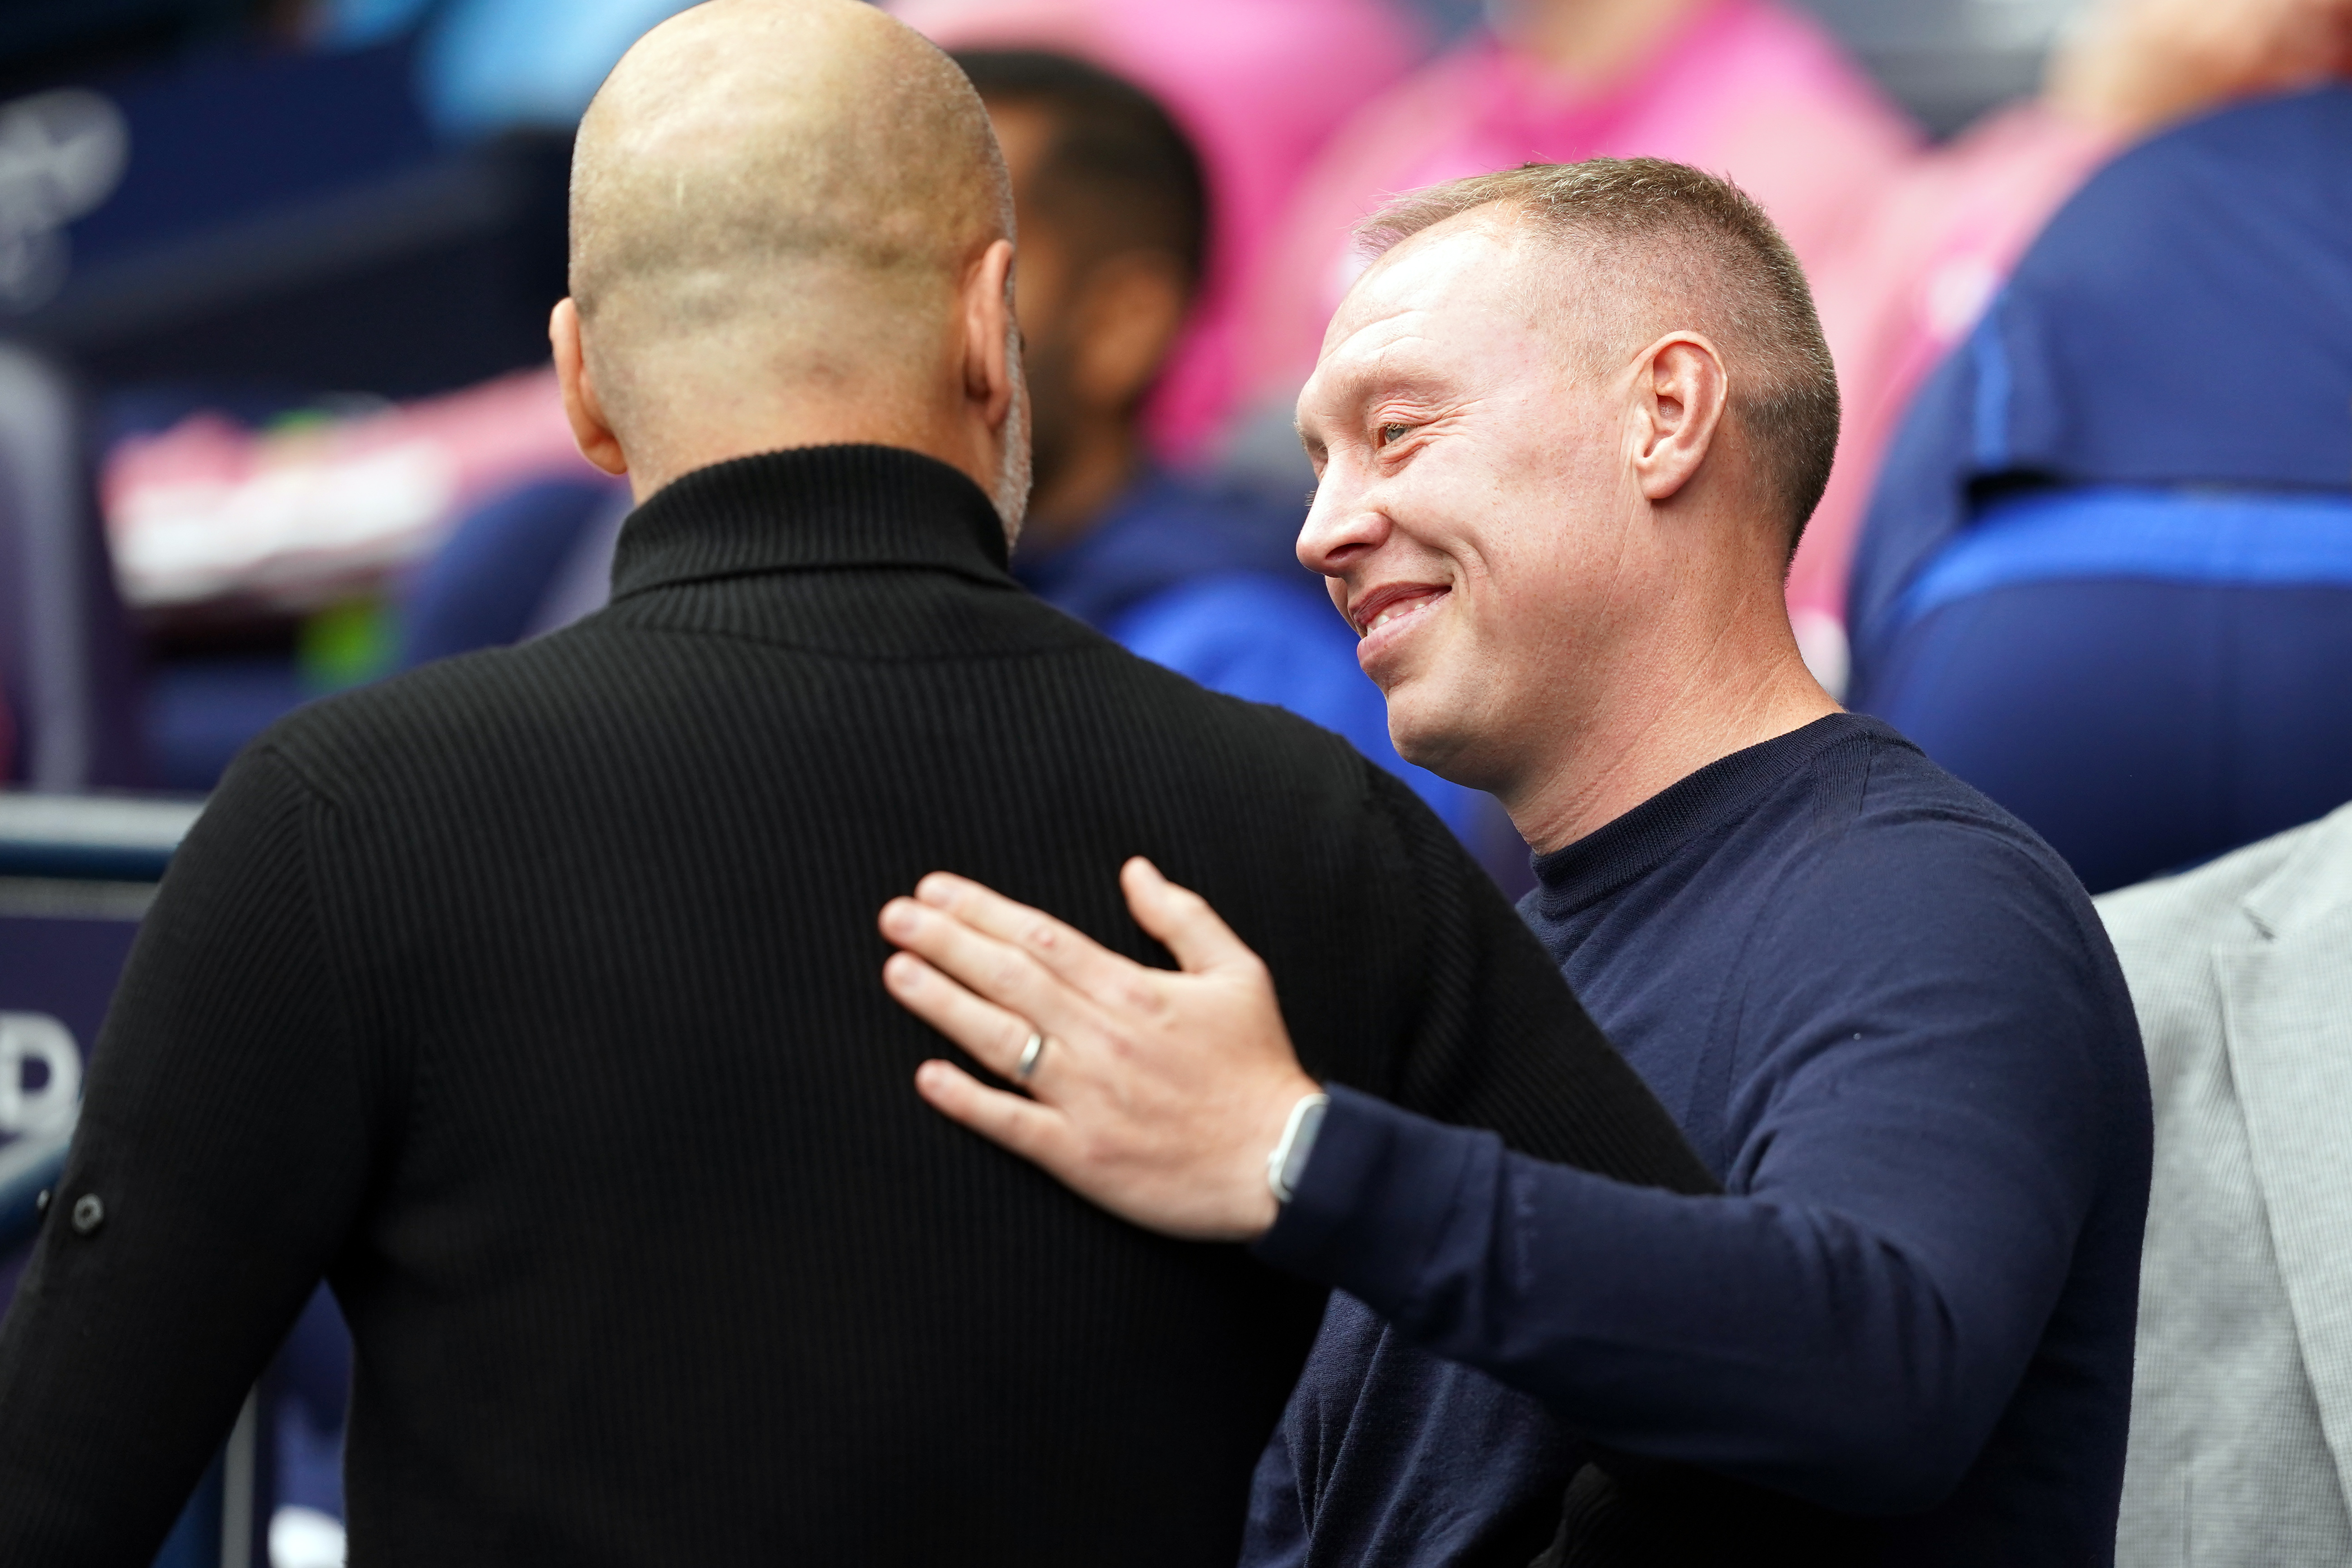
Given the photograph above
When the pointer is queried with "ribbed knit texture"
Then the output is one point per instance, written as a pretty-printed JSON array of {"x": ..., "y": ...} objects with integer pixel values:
[{"x": 535, "y": 1000}]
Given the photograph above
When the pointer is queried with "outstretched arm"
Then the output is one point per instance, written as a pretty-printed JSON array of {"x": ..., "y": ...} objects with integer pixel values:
[
  {"x": 1160, "y": 1094},
  {"x": 1846, "y": 1330}
]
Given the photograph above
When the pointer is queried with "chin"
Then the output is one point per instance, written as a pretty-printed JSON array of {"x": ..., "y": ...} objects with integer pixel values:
[{"x": 1430, "y": 734}]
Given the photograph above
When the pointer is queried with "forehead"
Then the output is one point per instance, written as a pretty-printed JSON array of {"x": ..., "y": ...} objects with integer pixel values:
[{"x": 1455, "y": 297}]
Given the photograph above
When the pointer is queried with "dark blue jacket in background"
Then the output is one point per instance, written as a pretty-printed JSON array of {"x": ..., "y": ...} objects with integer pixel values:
[
  {"x": 2107, "y": 578},
  {"x": 1206, "y": 583},
  {"x": 2185, "y": 321}
]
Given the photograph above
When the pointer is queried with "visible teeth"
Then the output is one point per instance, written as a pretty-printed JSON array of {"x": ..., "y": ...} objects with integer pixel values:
[{"x": 1397, "y": 612}]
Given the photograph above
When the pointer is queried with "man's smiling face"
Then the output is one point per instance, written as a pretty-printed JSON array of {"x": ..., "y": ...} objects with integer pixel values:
[{"x": 1472, "y": 498}]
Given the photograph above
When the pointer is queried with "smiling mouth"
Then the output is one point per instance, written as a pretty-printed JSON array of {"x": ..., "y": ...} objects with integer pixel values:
[{"x": 1396, "y": 608}]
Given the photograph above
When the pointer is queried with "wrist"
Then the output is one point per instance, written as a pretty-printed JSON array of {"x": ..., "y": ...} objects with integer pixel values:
[{"x": 1257, "y": 1194}]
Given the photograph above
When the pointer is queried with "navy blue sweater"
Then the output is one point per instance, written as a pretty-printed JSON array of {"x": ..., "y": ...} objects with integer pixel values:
[{"x": 1889, "y": 1019}]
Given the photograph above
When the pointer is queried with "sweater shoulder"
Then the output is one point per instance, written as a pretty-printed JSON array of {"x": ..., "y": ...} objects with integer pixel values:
[
  {"x": 468, "y": 703},
  {"x": 596, "y": 693},
  {"x": 1901, "y": 863},
  {"x": 1907, "y": 810}
]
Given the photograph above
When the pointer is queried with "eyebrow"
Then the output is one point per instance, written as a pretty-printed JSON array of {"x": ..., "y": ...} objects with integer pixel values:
[
  {"x": 1374, "y": 384},
  {"x": 1403, "y": 365}
]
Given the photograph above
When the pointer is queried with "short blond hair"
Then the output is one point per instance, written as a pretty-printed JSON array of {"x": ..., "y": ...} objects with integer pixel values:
[{"x": 1666, "y": 228}]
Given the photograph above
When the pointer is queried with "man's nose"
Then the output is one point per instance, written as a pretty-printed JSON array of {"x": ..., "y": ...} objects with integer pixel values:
[{"x": 1341, "y": 526}]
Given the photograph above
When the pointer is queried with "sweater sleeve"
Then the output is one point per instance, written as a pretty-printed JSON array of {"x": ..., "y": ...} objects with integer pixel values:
[
  {"x": 221, "y": 1154},
  {"x": 1936, "y": 1112}
]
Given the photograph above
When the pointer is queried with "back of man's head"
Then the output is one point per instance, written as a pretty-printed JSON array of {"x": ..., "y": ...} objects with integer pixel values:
[
  {"x": 1659, "y": 247},
  {"x": 775, "y": 201}
]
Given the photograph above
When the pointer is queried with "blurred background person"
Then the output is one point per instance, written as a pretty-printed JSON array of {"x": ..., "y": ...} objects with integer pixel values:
[
  {"x": 1258, "y": 86},
  {"x": 1204, "y": 580},
  {"x": 1748, "y": 88},
  {"x": 2108, "y": 576},
  {"x": 1904, "y": 291}
]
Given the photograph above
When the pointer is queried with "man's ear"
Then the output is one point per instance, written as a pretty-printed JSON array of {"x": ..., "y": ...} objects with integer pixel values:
[
  {"x": 1680, "y": 391},
  {"x": 987, "y": 336},
  {"x": 589, "y": 428}
]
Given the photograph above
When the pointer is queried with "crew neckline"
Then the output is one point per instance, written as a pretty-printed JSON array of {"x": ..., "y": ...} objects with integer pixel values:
[{"x": 1630, "y": 846}]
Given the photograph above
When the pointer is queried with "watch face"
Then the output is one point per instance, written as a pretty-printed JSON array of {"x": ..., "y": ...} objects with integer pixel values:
[{"x": 1288, "y": 1164}]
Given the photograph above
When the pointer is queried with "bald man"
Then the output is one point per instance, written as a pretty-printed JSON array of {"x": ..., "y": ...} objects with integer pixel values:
[{"x": 533, "y": 1000}]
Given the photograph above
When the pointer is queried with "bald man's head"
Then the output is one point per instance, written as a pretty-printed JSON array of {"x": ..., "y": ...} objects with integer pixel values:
[{"x": 778, "y": 200}]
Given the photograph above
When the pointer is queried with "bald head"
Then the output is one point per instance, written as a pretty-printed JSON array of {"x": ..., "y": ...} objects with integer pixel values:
[{"x": 777, "y": 207}]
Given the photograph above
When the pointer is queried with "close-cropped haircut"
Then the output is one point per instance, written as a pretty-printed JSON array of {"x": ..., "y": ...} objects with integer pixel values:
[
  {"x": 1681, "y": 237},
  {"x": 1118, "y": 174}
]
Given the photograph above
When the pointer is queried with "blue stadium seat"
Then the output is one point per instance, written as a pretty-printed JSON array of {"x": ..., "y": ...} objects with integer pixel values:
[{"x": 2107, "y": 574}]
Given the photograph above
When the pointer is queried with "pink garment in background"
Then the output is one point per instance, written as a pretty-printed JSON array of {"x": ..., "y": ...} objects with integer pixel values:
[
  {"x": 1904, "y": 290},
  {"x": 1745, "y": 88},
  {"x": 1259, "y": 85}
]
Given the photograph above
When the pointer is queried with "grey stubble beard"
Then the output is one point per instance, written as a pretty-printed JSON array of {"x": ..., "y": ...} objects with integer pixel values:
[{"x": 1013, "y": 469}]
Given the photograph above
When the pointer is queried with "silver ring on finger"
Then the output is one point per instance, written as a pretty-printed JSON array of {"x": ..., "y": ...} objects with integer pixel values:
[{"x": 1030, "y": 1052}]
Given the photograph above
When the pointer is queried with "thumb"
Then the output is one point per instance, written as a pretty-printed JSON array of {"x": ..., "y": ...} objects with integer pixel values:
[{"x": 1180, "y": 919}]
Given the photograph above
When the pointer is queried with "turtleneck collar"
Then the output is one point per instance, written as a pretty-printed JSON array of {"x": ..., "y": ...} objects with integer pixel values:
[{"x": 811, "y": 507}]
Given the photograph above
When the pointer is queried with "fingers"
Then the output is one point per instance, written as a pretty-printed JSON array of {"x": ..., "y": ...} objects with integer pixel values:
[
  {"x": 993, "y": 1035},
  {"x": 1029, "y": 1130},
  {"x": 993, "y": 971},
  {"x": 1180, "y": 919},
  {"x": 1064, "y": 949}
]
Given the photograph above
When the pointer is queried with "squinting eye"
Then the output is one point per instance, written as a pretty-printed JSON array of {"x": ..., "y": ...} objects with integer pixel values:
[{"x": 1391, "y": 433}]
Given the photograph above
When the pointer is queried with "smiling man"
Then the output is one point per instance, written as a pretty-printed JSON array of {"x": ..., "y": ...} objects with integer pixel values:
[{"x": 1569, "y": 425}]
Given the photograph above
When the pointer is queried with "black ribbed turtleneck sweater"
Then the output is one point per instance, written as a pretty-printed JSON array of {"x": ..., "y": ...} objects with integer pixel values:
[{"x": 533, "y": 1000}]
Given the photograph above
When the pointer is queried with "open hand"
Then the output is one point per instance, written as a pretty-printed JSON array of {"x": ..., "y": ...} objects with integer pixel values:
[{"x": 1156, "y": 1094}]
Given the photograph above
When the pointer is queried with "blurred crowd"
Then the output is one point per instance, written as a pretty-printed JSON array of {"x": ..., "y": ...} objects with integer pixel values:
[
  {"x": 279, "y": 419},
  {"x": 275, "y": 419}
]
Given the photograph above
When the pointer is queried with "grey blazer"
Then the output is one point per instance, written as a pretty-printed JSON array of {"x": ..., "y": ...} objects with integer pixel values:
[{"x": 2242, "y": 1408}]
